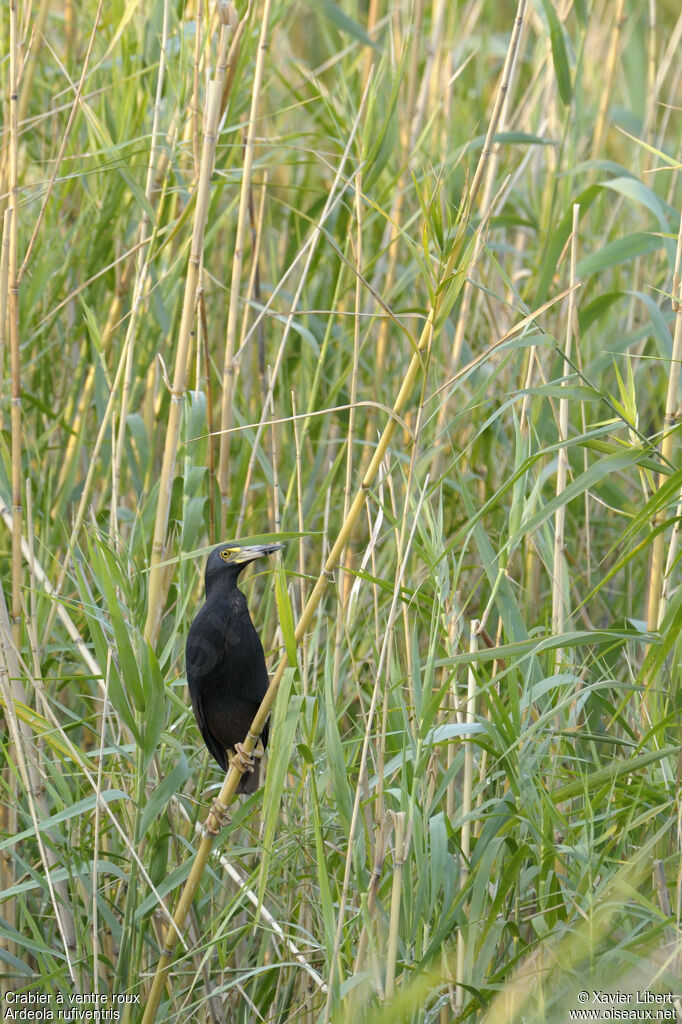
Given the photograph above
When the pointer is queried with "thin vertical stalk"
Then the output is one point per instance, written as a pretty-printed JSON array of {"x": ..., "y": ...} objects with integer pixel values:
[
  {"x": 29, "y": 71},
  {"x": 195, "y": 108},
  {"x": 372, "y": 16},
  {"x": 415, "y": 53},
  {"x": 4, "y": 295},
  {"x": 253, "y": 290},
  {"x": 27, "y": 75},
  {"x": 651, "y": 92},
  {"x": 113, "y": 504},
  {"x": 467, "y": 803},
  {"x": 301, "y": 547},
  {"x": 10, "y": 308},
  {"x": 97, "y": 827},
  {"x": 15, "y": 355},
  {"x": 306, "y": 915},
  {"x": 350, "y": 437},
  {"x": 656, "y": 579},
  {"x": 210, "y": 440},
  {"x": 668, "y": 583},
  {"x": 400, "y": 846},
  {"x": 559, "y": 589},
  {"x": 451, "y": 794},
  {"x": 611, "y": 59},
  {"x": 214, "y": 92},
  {"x": 229, "y": 368},
  {"x": 276, "y": 525}
]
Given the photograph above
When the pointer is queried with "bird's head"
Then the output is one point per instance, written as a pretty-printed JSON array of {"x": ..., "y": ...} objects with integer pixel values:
[{"x": 227, "y": 560}]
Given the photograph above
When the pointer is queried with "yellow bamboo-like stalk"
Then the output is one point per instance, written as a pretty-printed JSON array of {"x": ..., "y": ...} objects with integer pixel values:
[
  {"x": 15, "y": 355},
  {"x": 343, "y": 575},
  {"x": 308, "y": 899},
  {"x": 451, "y": 705},
  {"x": 4, "y": 294},
  {"x": 10, "y": 311},
  {"x": 97, "y": 842},
  {"x": 195, "y": 108},
  {"x": 214, "y": 93},
  {"x": 415, "y": 54},
  {"x": 467, "y": 803},
  {"x": 274, "y": 462},
  {"x": 229, "y": 368},
  {"x": 27, "y": 76},
  {"x": 401, "y": 844},
  {"x": 655, "y": 606},
  {"x": 373, "y": 530},
  {"x": 253, "y": 289},
  {"x": 301, "y": 547},
  {"x": 559, "y": 610},
  {"x": 651, "y": 91},
  {"x": 28, "y": 73},
  {"x": 668, "y": 584}
]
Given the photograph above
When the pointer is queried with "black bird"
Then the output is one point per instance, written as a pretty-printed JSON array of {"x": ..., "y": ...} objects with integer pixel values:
[{"x": 225, "y": 662}]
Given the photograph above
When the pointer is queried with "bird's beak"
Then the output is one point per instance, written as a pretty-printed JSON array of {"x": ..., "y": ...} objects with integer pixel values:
[{"x": 248, "y": 554}]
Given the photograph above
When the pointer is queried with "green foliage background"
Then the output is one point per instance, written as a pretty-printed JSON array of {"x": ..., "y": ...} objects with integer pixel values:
[{"x": 554, "y": 866}]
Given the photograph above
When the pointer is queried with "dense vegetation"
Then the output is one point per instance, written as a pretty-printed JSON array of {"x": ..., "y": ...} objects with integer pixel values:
[{"x": 430, "y": 257}]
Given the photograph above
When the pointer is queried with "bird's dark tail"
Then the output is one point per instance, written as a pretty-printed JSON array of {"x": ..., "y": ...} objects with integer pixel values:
[{"x": 250, "y": 781}]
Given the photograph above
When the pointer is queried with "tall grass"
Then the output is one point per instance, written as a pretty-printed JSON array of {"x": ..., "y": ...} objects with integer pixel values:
[{"x": 401, "y": 284}]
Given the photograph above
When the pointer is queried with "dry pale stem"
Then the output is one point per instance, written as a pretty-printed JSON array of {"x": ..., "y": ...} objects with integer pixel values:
[
  {"x": 656, "y": 580},
  {"x": 559, "y": 610}
]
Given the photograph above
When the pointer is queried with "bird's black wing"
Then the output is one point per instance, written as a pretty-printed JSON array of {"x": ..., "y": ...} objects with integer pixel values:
[
  {"x": 203, "y": 656},
  {"x": 219, "y": 752},
  {"x": 246, "y": 659}
]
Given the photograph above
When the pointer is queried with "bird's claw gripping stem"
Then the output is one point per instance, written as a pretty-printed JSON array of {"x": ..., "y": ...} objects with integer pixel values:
[
  {"x": 220, "y": 816},
  {"x": 242, "y": 760}
]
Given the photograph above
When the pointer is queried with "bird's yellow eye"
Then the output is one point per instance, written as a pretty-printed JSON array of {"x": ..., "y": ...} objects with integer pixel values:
[{"x": 225, "y": 553}]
